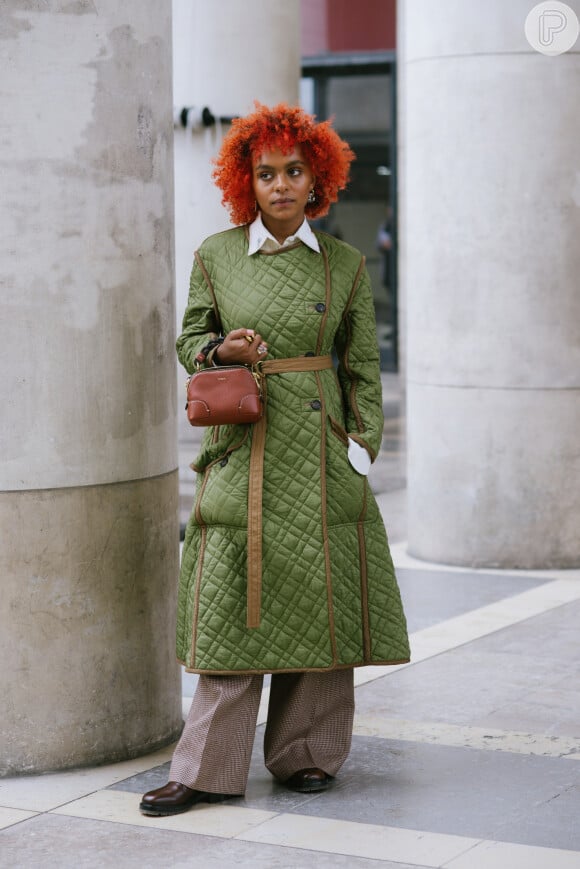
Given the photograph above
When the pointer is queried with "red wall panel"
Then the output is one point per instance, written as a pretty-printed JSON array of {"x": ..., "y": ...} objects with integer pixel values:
[
  {"x": 364, "y": 25},
  {"x": 350, "y": 25}
]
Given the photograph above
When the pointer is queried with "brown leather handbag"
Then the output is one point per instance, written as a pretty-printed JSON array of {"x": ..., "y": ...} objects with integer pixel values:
[{"x": 223, "y": 395}]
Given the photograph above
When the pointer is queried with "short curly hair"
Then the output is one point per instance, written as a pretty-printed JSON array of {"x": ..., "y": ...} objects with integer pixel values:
[{"x": 283, "y": 127}]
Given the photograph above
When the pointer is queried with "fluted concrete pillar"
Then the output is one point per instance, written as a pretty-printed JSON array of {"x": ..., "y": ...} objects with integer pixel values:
[
  {"x": 491, "y": 201},
  {"x": 88, "y": 488}
]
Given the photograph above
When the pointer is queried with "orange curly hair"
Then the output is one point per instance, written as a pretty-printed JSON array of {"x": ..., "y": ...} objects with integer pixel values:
[{"x": 283, "y": 127}]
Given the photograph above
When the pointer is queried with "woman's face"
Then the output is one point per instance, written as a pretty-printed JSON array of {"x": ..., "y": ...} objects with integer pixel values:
[{"x": 281, "y": 184}]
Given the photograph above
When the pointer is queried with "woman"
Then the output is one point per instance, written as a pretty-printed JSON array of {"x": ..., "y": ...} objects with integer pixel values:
[{"x": 286, "y": 567}]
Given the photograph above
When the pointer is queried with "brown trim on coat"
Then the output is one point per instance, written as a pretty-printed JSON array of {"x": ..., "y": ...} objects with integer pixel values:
[
  {"x": 255, "y": 487},
  {"x": 338, "y": 430},
  {"x": 197, "y": 508},
  {"x": 207, "y": 279},
  {"x": 197, "y": 593},
  {"x": 327, "y": 297},
  {"x": 364, "y": 591},
  {"x": 202, "y": 672},
  {"x": 325, "y": 540},
  {"x": 347, "y": 368}
]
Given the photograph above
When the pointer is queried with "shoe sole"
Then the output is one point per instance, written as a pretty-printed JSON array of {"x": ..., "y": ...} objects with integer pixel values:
[
  {"x": 311, "y": 789},
  {"x": 154, "y": 812}
]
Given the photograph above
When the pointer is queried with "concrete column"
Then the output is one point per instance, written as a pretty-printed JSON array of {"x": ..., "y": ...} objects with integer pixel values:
[
  {"x": 226, "y": 55},
  {"x": 491, "y": 194},
  {"x": 88, "y": 486}
]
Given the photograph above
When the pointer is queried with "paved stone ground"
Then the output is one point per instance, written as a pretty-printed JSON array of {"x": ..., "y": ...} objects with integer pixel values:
[{"x": 467, "y": 758}]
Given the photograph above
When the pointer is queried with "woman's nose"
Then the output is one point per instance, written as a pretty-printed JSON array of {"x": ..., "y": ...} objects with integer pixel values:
[{"x": 280, "y": 182}]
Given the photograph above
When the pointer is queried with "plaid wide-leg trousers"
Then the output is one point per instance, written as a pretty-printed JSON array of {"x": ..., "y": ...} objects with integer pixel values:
[{"x": 309, "y": 724}]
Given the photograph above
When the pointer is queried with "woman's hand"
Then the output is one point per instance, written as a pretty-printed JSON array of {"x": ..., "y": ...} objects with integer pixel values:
[{"x": 241, "y": 347}]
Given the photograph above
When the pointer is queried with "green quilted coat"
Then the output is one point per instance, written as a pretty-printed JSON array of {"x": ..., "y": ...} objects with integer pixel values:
[{"x": 329, "y": 597}]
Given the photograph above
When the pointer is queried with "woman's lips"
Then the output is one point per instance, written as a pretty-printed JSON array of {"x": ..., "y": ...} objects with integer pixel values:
[{"x": 283, "y": 202}]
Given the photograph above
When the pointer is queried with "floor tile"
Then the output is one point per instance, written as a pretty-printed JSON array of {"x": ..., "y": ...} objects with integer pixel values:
[
  {"x": 499, "y": 855},
  {"x": 144, "y": 781},
  {"x": 461, "y": 791},
  {"x": 483, "y": 738},
  {"x": 41, "y": 793},
  {"x": 493, "y": 617},
  {"x": 59, "y": 842},
  {"x": 360, "y": 840},
  {"x": 429, "y": 787},
  {"x": 489, "y": 683},
  {"x": 13, "y": 816},
  {"x": 122, "y": 807},
  {"x": 434, "y": 596},
  {"x": 477, "y": 624}
]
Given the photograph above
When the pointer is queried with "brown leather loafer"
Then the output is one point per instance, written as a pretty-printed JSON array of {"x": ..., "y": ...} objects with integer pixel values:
[
  {"x": 307, "y": 781},
  {"x": 174, "y": 798}
]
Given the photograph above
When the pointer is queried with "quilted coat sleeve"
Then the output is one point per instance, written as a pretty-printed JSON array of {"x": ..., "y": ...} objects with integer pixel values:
[
  {"x": 359, "y": 368},
  {"x": 199, "y": 322}
]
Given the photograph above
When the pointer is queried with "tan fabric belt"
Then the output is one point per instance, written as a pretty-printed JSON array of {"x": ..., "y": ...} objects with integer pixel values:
[{"x": 256, "y": 480}]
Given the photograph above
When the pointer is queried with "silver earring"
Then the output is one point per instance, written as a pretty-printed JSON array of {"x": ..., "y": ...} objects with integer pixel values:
[{"x": 311, "y": 197}]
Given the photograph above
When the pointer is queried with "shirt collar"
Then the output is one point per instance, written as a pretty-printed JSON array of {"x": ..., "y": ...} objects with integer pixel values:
[{"x": 260, "y": 238}]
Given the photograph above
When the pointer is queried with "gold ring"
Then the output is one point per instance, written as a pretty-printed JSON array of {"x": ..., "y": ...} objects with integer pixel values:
[{"x": 249, "y": 339}]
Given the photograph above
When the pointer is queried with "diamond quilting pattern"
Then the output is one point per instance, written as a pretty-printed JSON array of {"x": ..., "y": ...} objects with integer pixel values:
[{"x": 312, "y": 498}]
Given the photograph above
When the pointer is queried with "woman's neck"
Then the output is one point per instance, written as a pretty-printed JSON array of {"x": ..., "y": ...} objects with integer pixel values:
[{"x": 281, "y": 230}]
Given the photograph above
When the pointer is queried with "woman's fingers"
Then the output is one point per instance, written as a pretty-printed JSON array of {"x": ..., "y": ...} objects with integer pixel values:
[
  {"x": 248, "y": 334},
  {"x": 243, "y": 346},
  {"x": 260, "y": 346}
]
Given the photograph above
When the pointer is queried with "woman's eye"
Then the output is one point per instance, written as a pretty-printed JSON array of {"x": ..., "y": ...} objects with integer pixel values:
[
  {"x": 294, "y": 172},
  {"x": 264, "y": 176}
]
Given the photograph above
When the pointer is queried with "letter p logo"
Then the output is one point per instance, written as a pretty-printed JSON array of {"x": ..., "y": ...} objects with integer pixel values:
[
  {"x": 551, "y": 22},
  {"x": 552, "y": 28}
]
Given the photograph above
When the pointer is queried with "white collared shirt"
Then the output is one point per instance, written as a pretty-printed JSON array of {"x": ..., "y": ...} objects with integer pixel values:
[{"x": 262, "y": 239}]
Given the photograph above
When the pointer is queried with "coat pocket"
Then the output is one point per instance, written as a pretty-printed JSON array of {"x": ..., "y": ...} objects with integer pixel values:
[
  {"x": 344, "y": 487},
  {"x": 218, "y": 442},
  {"x": 338, "y": 430}
]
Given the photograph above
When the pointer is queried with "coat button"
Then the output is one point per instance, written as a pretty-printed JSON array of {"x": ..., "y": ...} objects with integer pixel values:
[
  {"x": 310, "y": 353},
  {"x": 224, "y": 462},
  {"x": 320, "y": 307},
  {"x": 316, "y": 404}
]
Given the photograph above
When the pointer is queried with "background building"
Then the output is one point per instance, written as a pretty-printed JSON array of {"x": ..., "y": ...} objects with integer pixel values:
[{"x": 349, "y": 74}]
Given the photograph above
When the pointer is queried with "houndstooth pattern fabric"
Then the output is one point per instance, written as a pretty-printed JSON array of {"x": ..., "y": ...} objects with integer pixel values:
[
  {"x": 215, "y": 748},
  {"x": 309, "y": 724}
]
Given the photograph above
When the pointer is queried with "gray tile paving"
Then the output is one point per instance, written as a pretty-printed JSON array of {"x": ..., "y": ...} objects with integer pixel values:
[
  {"x": 57, "y": 842},
  {"x": 522, "y": 678},
  {"x": 431, "y": 596},
  {"x": 492, "y": 795},
  {"x": 483, "y": 794}
]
